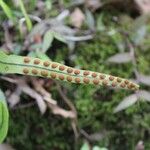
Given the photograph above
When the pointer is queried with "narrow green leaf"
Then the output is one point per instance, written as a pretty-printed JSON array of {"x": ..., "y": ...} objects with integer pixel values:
[
  {"x": 47, "y": 41},
  {"x": 59, "y": 37},
  {"x": 7, "y": 10},
  {"x": 90, "y": 19},
  {"x": 42, "y": 55},
  {"x": 4, "y": 117},
  {"x": 39, "y": 54},
  {"x": 100, "y": 25},
  {"x": 127, "y": 102},
  {"x": 28, "y": 21}
]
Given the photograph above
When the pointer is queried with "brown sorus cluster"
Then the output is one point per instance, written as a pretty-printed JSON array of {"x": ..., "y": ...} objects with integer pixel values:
[
  {"x": 61, "y": 68},
  {"x": 96, "y": 81},
  {"x": 104, "y": 82},
  {"x": 86, "y": 73},
  {"x": 46, "y": 63},
  {"x": 77, "y": 80},
  {"x": 34, "y": 71},
  {"x": 94, "y": 75},
  {"x": 102, "y": 76},
  {"x": 53, "y": 75},
  {"x": 76, "y": 72},
  {"x": 36, "y": 61},
  {"x": 86, "y": 80},
  {"x": 61, "y": 77},
  {"x": 111, "y": 78},
  {"x": 25, "y": 71},
  {"x": 69, "y": 70},
  {"x": 26, "y": 60},
  {"x": 69, "y": 78},
  {"x": 54, "y": 65},
  {"x": 44, "y": 73}
]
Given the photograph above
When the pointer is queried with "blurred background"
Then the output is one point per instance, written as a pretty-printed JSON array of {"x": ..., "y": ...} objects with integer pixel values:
[{"x": 108, "y": 36}]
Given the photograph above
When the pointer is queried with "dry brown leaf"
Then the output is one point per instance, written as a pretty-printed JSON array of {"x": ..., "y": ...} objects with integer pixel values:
[
  {"x": 22, "y": 86},
  {"x": 98, "y": 135},
  {"x": 120, "y": 58},
  {"x": 127, "y": 102},
  {"x": 140, "y": 146},
  {"x": 144, "y": 6},
  {"x": 11, "y": 80},
  {"x": 14, "y": 98},
  {"x": 52, "y": 103},
  {"x": 144, "y": 79},
  {"x": 62, "y": 112},
  {"x": 46, "y": 95},
  {"x": 41, "y": 95},
  {"x": 77, "y": 17},
  {"x": 32, "y": 93},
  {"x": 144, "y": 95}
]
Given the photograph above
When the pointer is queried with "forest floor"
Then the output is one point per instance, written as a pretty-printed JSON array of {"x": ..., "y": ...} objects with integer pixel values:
[{"x": 105, "y": 36}]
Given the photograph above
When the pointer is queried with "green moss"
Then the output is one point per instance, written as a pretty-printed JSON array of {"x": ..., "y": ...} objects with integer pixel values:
[
  {"x": 144, "y": 64},
  {"x": 34, "y": 131},
  {"x": 94, "y": 105}
]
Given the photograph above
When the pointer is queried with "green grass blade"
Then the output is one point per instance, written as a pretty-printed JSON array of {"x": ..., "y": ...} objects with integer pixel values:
[
  {"x": 7, "y": 10},
  {"x": 28, "y": 21},
  {"x": 4, "y": 117}
]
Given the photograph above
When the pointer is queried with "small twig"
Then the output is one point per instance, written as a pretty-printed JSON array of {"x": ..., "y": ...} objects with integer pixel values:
[
  {"x": 32, "y": 93},
  {"x": 86, "y": 135},
  {"x": 70, "y": 104},
  {"x": 95, "y": 136},
  {"x": 52, "y": 103},
  {"x": 46, "y": 95},
  {"x": 9, "y": 79},
  {"x": 62, "y": 112},
  {"x": 67, "y": 101}
]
